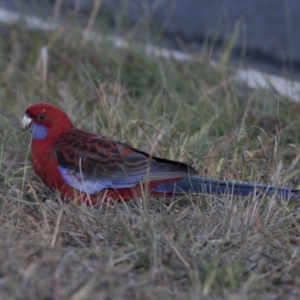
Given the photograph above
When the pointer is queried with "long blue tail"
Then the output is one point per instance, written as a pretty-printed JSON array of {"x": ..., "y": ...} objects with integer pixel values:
[{"x": 201, "y": 185}]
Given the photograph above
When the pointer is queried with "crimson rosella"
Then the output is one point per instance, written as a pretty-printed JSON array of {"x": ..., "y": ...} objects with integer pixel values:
[{"x": 91, "y": 168}]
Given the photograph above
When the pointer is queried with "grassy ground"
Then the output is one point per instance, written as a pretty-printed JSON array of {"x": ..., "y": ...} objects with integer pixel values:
[{"x": 200, "y": 247}]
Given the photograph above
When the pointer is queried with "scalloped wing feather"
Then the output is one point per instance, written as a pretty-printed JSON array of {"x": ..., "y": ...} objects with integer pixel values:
[{"x": 92, "y": 163}]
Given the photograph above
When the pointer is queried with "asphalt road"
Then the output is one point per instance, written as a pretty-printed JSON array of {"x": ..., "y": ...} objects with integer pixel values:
[{"x": 267, "y": 31}]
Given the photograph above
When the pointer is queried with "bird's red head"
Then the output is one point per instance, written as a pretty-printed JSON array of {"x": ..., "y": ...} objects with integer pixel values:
[{"x": 43, "y": 120}]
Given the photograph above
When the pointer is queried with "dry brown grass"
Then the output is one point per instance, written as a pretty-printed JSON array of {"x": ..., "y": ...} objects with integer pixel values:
[{"x": 185, "y": 248}]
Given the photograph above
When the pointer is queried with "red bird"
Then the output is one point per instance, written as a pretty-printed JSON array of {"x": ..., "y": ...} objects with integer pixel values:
[{"x": 91, "y": 168}]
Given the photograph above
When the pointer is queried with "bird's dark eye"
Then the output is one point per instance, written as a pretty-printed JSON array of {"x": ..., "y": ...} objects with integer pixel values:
[{"x": 41, "y": 117}]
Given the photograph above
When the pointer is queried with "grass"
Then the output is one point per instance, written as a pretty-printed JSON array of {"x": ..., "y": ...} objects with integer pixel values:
[{"x": 198, "y": 247}]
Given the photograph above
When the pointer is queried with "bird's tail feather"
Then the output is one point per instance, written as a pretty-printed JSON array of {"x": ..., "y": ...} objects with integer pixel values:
[{"x": 201, "y": 185}]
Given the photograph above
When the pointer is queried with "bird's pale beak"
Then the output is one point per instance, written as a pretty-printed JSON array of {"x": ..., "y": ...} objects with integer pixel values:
[{"x": 26, "y": 122}]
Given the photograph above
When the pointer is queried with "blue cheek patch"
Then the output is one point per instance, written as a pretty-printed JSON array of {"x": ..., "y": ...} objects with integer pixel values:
[{"x": 38, "y": 132}]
